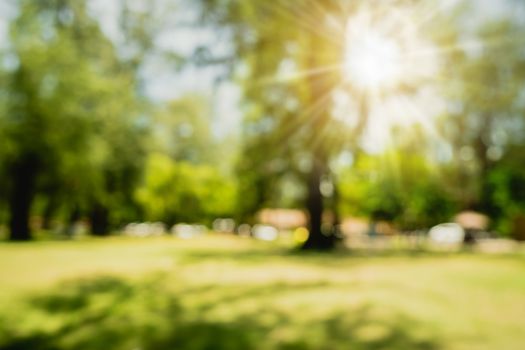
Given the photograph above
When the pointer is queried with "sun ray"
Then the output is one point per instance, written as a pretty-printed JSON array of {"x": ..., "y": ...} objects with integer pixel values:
[
  {"x": 276, "y": 80},
  {"x": 422, "y": 16},
  {"x": 471, "y": 45},
  {"x": 301, "y": 18},
  {"x": 308, "y": 115},
  {"x": 324, "y": 11},
  {"x": 424, "y": 120},
  {"x": 451, "y": 79},
  {"x": 322, "y": 134}
]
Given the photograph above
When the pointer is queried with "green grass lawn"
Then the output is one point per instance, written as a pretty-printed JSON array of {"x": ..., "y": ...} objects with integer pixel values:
[{"x": 227, "y": 293}]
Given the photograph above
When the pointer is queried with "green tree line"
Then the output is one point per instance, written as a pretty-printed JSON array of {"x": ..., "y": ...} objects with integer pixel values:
[{"x": 80, "y": 139}]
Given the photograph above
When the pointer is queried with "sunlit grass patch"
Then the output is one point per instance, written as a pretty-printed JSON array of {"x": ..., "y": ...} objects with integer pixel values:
[{"x": 228, "y": 293}]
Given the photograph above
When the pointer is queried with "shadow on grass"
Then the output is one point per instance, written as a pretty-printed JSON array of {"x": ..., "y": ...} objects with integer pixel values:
[
  {"x": 111, "y": 313},
  {"x": 324, "y": 258}
]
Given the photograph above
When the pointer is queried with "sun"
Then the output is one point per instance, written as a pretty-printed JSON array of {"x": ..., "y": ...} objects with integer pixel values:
[
  {"x": 373, "y": 58},
  {"x": 386, "y": 69},
  {"x": 372, "y": 61}
]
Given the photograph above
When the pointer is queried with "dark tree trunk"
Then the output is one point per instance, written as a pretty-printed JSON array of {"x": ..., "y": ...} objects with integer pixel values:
[
  {"x": 317, "y": 240},
  {"x": 99, "y": 218},
  {"x": 336, "y": 224},
  {"x": 21, "y": 198}
]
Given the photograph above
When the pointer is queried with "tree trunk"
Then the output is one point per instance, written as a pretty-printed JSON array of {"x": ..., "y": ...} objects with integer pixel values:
[
  {"x": 319, "y": 87},
  {"x": 21, "y": 198},
  {"x": 336, "y": 224},
  {"x": 99, "y": 218},
  {"x": 317, "y": 240}
]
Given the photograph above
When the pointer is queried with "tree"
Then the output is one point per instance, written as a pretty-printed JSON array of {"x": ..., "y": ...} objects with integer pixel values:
[
  {"x": 64, "y": 94},
  {"x": 287, "y": 127},
  {"x": 180, "y": 191},
  {"x": 184, "y": 178},
  {"x": 181, "y": 129},
  {"x": 485, "y": 117},
  {"x": 289, "y": 78},
  {"x": 401, "y": 185}
]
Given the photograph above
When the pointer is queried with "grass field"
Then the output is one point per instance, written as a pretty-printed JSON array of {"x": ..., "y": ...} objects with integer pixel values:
[{"x": 227, "y": 293}]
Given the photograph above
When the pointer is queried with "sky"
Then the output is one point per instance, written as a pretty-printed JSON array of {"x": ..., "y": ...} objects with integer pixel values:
[{"x": 164, "y": 83}]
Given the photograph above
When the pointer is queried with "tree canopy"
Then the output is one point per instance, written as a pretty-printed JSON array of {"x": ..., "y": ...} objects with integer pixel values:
[{"x": 407, "y": 110}]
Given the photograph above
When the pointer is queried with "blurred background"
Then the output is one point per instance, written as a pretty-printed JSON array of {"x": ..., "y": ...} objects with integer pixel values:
[
  {"x": 185, "y": 112},
  {"x": 252, "y": 130}
]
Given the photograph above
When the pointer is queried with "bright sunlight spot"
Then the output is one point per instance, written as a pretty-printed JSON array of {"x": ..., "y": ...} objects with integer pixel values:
[
  {"x": 388, "y": 62},
  {"x": 382, "y": 54},
  {"x": 372, "y": 61}
]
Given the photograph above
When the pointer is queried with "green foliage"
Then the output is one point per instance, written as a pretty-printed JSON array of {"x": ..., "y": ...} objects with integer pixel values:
[
  {"x": 186, "y": 178},
  {"x": 182, "y": 130},
  {"x": 179, "y": 191},
  {"x": 72, "y": 110},
  {"x": 396, "y": 186},
  {"x": 76, "y": 133},
  {"x": 507, "y": 184},
  {"x": 485, "y": 118}
]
